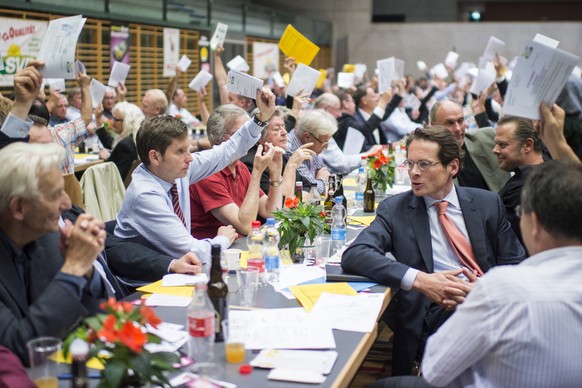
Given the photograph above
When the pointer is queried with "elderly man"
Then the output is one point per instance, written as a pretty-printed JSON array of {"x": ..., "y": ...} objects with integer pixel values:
[
  {"x": 156, "y": 207},
  {"x": 108, "y": 102},
  {"x": 519, "y": 325},
  {"x": 233, "y": 196},
  {"x": 47, "y": 282},
  {"x": 479, "y": 166},
  {"x": 433, "y": 231},
  {"x": 518, "y": 149},
  {"x": 177, "y": 108},
  {"x": 59, "y": 111},
  {"x": 317, "y": 127},
  {"x": 154, "y": 103}
]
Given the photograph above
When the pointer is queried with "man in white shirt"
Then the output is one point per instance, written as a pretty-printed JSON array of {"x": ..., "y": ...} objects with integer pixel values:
[
  {"x": 519, "y": 325},
  {"x": 157, "y": 203},
  {"x": 178, "y": 110}
]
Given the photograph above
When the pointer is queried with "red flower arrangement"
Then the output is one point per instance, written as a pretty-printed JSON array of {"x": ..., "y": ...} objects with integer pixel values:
[
  {"x": 299, "y": 221},
  {"x": 382, "y": 169},
  {"x": 117, "y": 340}
]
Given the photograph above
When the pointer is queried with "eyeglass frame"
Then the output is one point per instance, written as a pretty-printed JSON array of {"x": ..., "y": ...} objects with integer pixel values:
[
  {"x": 409, "y": 164},
  {"x": 323, "y": 144}
]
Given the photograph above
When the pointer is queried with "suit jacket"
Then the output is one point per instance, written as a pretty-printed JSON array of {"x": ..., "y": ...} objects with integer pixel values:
[
  {"x": 402, "y": 228},
  {"x": 480, "y": 145},
  {"x": 123, "y": 154},
  {"x": 47, "y": 308},
  {"x": 360, "y": 119}
]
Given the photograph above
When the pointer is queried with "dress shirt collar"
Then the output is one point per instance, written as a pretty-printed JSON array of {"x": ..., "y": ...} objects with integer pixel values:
[
  {"x": 165, "y": 185},
  {"x": 451, "y": 198},
  {"x": 365, "y": 115}
]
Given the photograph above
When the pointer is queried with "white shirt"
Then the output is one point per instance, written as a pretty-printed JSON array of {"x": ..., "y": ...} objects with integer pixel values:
[
  {"x": 443, "y": 256},
  {"x": 147, "y": 209},
  {"x": 182, "y": 114},
  {"x": 520, "y": 326}
]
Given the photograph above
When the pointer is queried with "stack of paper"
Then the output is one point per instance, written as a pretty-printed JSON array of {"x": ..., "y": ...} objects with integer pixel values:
[{"x": 172, "y": 335}]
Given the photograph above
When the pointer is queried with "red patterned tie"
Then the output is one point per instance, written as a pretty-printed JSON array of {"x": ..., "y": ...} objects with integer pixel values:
[
  {"x": 457, "y": 241},
  {"x": 176, "y": 203}
]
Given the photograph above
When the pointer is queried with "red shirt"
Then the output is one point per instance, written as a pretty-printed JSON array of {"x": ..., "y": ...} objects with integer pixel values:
[{"x": 213, "y": 192}]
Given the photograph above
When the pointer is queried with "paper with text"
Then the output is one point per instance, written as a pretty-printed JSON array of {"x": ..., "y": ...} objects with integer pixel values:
[
  {"x": 278, "y": 79},
  {"x": 200, "y": 81},
  {"x": 484, "y": 79},
  {"x": 389, "y": 69},
  {"x": 539, "y": 75},
  {"x": 218, "y": 36},
  {"x": 118, "y": 74},
  {"x": 291, "y": 328},
  {"x": 56, "y": 84},
  {"x": 304, "y": 79},
  {"x": 57, "y": 50},
  {"x": 243, "y": 84},
  {"x": 97, "y": 90},
  {"x": 295, "y": 45},
  {"x": 354, "y": 141},
  {"x": 350, "y": 313},
  {"x": 345, "y": 80}
]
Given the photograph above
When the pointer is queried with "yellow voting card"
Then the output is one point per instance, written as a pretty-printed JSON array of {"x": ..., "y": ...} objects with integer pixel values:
[
  {"x": 92, "y": 363},
  {"x": 295, "y": 45},
  {"x": 362, "y": 220},
  {"x": 308, "y": 294},
  {"x": 321, "y": 79},
  {"x": 156, "y": 288}
]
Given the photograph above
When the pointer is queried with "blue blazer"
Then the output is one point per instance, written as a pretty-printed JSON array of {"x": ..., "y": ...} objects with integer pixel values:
[{"x": 402, "y": 228}]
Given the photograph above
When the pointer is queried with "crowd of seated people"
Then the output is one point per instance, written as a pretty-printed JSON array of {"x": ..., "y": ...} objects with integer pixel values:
[{"x": 470, "y": 168}]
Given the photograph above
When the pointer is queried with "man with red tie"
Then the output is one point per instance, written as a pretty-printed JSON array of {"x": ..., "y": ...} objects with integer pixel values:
[{"x": 443, "y": 237}]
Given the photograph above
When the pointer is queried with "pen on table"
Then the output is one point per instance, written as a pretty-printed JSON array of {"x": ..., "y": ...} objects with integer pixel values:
[{"x": 69, "y": 376}]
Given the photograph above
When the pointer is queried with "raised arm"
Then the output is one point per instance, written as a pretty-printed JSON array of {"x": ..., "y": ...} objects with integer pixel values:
[
  {"x": 171, "y": 89},
  {"x": 26, "y": 86},
  {"x": 552, "y": 133},
  {"x": 220, "y": 75},
  {"x": 87, "y": 103}
]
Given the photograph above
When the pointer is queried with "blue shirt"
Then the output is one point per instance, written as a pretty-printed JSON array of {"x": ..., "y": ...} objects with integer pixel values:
[{"x": 147, "y": 209}]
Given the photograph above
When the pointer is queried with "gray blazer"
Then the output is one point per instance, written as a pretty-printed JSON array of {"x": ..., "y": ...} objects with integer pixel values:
[{"x": 480, "y": 145}]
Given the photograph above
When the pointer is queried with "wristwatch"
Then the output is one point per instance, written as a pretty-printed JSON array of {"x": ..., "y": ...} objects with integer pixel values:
[{"x": 259, "y": 122}]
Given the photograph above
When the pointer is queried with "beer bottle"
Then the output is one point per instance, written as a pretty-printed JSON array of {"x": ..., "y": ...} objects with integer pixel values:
[
  {"x": 299, "y": 190},
  {"x": 339, "y": 189},
  {"x": 369, "y": 197},
  {"x": 328, "y": 203},
  {"x": 217, "y": 292}
]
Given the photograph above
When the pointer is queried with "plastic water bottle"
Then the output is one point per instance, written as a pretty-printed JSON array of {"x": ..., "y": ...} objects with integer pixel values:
[
  {"x": 255, "y": 245},
  {"x": 338, "y": 225},
  {"x": 271, "y": 251},
  {"x": 360, "y": 188},
  {"x": 201, "y": 326}
]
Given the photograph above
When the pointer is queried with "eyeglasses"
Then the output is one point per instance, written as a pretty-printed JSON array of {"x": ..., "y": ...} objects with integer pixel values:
[
  {"x": 518, "y": 211},
  {"x": 115, "y": 119},
  {"x": 423, "y": 165},
  {"x": 323, "y": 144}
]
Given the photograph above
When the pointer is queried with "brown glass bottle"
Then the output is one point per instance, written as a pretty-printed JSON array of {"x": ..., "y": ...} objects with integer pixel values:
[
  {"x": 299, "y": 190},
  {"x": 369, "y": 197},
  {"x": 218, "y": 292},
  {"x": 339, "y": 189}
]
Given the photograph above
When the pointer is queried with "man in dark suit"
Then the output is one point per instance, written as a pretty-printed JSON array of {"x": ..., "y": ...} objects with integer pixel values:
[
  {"x": 427, "y": 269},
  {"x": 47, "y": 282}
]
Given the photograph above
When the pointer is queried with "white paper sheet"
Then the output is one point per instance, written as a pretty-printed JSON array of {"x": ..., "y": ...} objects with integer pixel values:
[
  {"x": 243, "y": 84},
  {"x": 184, "y": 63},
  {"x": 118, "y": 74},
  {"x": 170, "y": 332},
  {"x": 421, "y": 65},
  {"x": 439, "y": 70},
  {"x": 321, "y": 361},
  {"x": 200, "y": 81},
  {"x": 451, "y": 59},
  {"x": 218, "y": 36},
  {"x": 546, "y": 40},
  {"x": 1, "y": 63},
  {"x": 484, "y": 79},
  {"x": 179, "y": 279},
  {"x": 389, "y": 69},
  {"x": 411, "y": 101},
  {"x": 359, "y": 70},
  {"x": 278, "y": 79},
  {"x": 97, "y": 90},
  {"x": 57, "y": 50},
  {"x": 540, "y": 74},
  {"x": 494, "y": 46},
  {"x": 56, "y": 84},
  {"x": 577, "y": 72},
  {"x": 345, "y": 80},
  {"x": 167, "y": 300},
  {"x": 354, "y": 141},
  {"x": 291, "y": 328},
  {"x": 304, "y": 79},
  {"x": 80, "y": 68},
  {"x": 238, "y": 63},
  {"x": 345, "y": 312},
  {"x": 297, "y": 274}
]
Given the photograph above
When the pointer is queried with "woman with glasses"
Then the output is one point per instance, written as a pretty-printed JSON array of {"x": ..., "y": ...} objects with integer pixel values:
[{"x": 125, "y": 123}]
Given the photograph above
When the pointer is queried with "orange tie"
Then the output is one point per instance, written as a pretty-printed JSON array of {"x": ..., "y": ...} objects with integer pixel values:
[{"x": 457, "y": 241}]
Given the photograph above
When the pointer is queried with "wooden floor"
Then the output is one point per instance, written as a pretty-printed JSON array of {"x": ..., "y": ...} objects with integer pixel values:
[{"x": 378, "y": 362}]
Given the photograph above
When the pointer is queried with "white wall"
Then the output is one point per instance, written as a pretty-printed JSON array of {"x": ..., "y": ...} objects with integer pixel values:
[{"x": 430, "y": 42}]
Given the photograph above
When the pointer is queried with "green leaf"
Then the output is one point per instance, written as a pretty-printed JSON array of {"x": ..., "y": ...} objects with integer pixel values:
[{"x": 114, "y": 372}]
